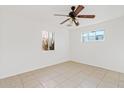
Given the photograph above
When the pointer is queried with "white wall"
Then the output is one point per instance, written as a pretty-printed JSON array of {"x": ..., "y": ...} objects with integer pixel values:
[
  {"x": 21, "y": 41},
  {"x": 0, "y": 47},
  {"x": 20, "y": 45},
  {"x": 1, "y": 41},
  {"x": 108, "y": 54}
]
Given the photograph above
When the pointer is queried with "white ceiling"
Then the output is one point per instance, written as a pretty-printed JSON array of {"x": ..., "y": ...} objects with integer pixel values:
[{"x": 44, "y": 14}]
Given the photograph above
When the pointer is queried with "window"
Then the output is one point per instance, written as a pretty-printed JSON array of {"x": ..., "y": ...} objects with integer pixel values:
[
  {"x": 48, "y": 40},
  {"x": 92, "y": 36}
]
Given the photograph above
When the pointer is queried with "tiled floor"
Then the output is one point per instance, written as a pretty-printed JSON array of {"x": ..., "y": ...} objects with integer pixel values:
[{"x": 66, "y": 75}]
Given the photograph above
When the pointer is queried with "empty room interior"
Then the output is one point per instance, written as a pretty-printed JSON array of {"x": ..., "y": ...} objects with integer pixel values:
[{"x": 61, "y": 46}]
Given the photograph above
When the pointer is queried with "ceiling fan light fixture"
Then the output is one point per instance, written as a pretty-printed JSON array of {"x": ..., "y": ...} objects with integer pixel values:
[{"x": 70, "y": 23}]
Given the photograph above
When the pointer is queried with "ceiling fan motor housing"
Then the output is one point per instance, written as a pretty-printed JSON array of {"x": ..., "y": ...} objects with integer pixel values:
[{"x": 72, "y": 14}]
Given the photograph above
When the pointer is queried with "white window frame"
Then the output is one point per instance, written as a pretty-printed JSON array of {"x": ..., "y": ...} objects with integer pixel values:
[{"x": 83, "y": 40}]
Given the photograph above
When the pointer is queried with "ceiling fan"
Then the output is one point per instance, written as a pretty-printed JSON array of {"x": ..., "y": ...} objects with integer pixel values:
[{"x": 73, "y": 15}]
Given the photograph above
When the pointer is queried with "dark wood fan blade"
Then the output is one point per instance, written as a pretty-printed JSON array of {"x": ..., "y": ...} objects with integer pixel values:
[
  {"x": 65, "y": 21},
  {"x": 86, "y": 16},
  {"x": 60, "y": 15},
  {"x": 79, "y": 8}
]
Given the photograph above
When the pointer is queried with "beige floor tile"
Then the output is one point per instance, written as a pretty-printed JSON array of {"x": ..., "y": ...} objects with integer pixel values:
[
  {"x": 23, "y": 75},
  {"x": 87, "y": 71},
  {"x": 81, "y": 76},
  {"x": 107, "y": 85},
  {"x": 49, "y": 83},
  {"x": 11, "y": 82},
  {"x": 67, "y": 84},
  {"x": 111, "y": 78},
  {"x": 121, "y": 84},
  {"x": 109, "y": 82},
  {"x": 28, "y": 78},
  {"x": 44, "y": 77},
  {"x": 66, "y": 75},
  {"x": 71, "y": 82},
  {"x": 112, "y": 75},
  {"x": 98, "y": 75},
  {"x": 87, "y": 85},
  {"x": 121, "y": 76},
  {"x": 90, "y": 82},
  {"x": 60, "y": 79},
  {"x": 3, "y": 84},
  {"x": 32, "y": 84}
]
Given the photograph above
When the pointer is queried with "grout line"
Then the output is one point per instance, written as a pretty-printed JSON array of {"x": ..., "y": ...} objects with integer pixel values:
[
  {"x": 21, "y": 81},
  {"x": 119, "y": 80},
  {"x": 101, "y": 79},
  {"x": 41, "y": 84},
  {"x": 77, "y": 73},
  {"x": 66, "y": 79}
]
